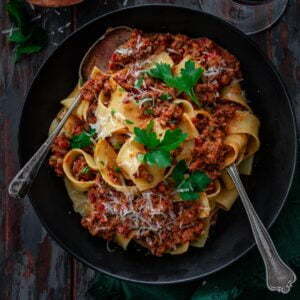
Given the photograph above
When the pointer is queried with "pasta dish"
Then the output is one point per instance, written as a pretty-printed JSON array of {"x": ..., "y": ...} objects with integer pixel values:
[{"x": 144, "y": 154}]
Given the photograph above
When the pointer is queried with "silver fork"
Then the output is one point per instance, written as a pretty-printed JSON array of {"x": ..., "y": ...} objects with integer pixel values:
[
  {"x": 21, "y": 183},
  {"x": 279, "y": 276}
]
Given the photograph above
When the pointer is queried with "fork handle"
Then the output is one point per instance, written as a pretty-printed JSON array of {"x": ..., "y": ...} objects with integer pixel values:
[
  {"x": 279, "y": 276},
  {"x": 21, "y": 183}
]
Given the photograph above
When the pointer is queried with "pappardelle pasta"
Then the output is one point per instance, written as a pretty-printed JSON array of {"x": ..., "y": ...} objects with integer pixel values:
[{"x": 144, "y": 154}]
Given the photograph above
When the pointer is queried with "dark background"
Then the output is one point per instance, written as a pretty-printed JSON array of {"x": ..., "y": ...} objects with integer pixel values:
[{"x": 32, "y": 266}]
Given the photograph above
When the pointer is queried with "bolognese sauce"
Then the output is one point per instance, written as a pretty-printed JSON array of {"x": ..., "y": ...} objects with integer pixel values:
[{"x": 151, "y": 216}]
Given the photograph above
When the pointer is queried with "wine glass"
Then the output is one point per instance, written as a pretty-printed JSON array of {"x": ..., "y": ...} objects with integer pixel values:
[{"x": 250, "y": 16}]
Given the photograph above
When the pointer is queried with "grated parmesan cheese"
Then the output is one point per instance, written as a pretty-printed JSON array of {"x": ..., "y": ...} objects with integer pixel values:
[{"x": 124, "y": 51}]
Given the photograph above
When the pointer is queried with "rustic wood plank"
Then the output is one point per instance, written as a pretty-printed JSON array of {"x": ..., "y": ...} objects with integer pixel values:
[
  {"x": 282, "y": 45},
  {"x": 32, "y": 265}
]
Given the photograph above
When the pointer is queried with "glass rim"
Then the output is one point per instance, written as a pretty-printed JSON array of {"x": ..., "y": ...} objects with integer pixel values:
[{"x": 253, "y": 2}]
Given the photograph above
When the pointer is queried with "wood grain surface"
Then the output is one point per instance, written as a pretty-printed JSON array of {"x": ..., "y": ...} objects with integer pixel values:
[{"x": 32, "y": 265}]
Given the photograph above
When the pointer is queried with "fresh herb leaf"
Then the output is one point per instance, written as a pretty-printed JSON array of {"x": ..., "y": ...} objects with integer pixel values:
[
  {"x": 138, "y": 83},
  {"x": 121, "y": 89},
  {"x": 186, "y": 191},
  {"x": 146, "y": 136},
  {"x": 128, "y": 122},
  {"x": 172, "y": 139},
  {"x": 28, "y": 37},
  {"x": 148, "y": 112},
  {"x": 199, "y": 181},
  {"x": 161, "y": 158},
  {"x": 117, "y": 146},
  {"x": 17, "y": 13},
  {"x": 189, "y": 186},
  {"x": 18, "y": 37},
  {"x": 21, "y": 49},
  {"x": 118, "y": 170},
  {"x": 184, "y": 83},
  {"x": 163, "y": 72},
  {"x": 189, "y": 196},
  {"x": 140, "y": 157},
  {"x": 113, "y": 111},
  {"x": 179, "y": 171},
  {"x": 85, "y": 170},
  {"x": 150, "y": 126},
  {"x": 83, "y": 139},
  {"x": 165, "y": 97},
  {"x": 158, "y": 151}
]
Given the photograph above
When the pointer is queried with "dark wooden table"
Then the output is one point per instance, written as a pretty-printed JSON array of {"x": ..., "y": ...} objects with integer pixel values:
[{"x": 32, "y": 265}]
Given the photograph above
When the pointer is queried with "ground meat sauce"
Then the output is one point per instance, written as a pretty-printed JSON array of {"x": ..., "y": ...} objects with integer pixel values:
[
  {"x": 93, "y": 86},
  {"x": 59, "y": 149},
  {"x": 113, "y": 174},
  {"x": 90, "y": 116},
  {"x": 169, "y": 114},
  {"x": 156, "y": 221},
  {"x": 210, "y": 151},
  {"x": 81, "y": 171},
  {"x": 143, "y": 173},
  {"x": 151, "y": 217},
  {"x": 79, "y": 126},
  {"x": 220, "y": 66}
]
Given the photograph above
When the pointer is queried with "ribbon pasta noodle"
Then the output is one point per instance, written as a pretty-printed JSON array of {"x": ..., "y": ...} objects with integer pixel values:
[{"x": 144, "y": 155}]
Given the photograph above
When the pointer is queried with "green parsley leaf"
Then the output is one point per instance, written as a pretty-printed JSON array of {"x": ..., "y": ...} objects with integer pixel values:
[
  {"x": 163, "y": 72},
  {"x": 186, "y": 191},
  {"x": 161, "y": 158},
  {"x": 117, "y": 146},
  {"x": 28, "y": 37},
  {"x": 20, "y": 50},
  {"x": 138, "y": 83},
  {"x": 199, "y": 181},
  {"x": 113, "y": 111},
  {"x": 158, "y": 151},
  {"x": 148, "y": 112},
  {"x": 165, "y": 97},
  {"x": 189, "y": 187},
  {"x": 85, "y": 170},
  {"x": 17, "y": 13},
  {"x": 118, "y": 170},
  {"x": 18, "y": 37},
  {"x": 140, "y": 157},
  {"x": 83, "y": 139},
  {"x": 172, "y": 139},
  {"x": 146, "y": 136},
  {"x": 179, "y": 171},
  {"x": 128, "y": 122},
  {"x": 189, "y": 76}
]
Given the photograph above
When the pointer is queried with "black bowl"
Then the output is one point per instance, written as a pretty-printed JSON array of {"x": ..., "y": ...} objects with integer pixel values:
[{"x": 268, "y": 187}]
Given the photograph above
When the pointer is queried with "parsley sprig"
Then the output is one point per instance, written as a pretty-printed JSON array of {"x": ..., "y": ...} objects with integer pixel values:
[
  {"x": 158, "y": 151},
  {"x": 189, "y": 185},
  {"x": 82, "y": 140},
  {"x": 85, "y": 170},
  {"x": 139, "y": 82},
  {"x": 188, "y": 78},
  {"x": 28, "y": 37}
]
